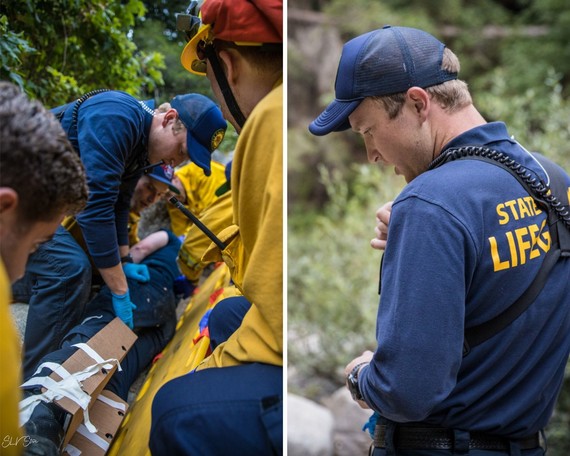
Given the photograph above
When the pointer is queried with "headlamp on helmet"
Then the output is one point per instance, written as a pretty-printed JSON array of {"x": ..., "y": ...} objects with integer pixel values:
[
  {"x": 197, "y": 36},
  {"x": 189, "y": 22}
]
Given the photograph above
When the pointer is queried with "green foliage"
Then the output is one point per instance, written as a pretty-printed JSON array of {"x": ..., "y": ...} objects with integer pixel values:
[
  {"x": 12, "y": 47},
  {"x": 72, "y": 47},
  {"x": 151, "y": 36},
  {"x": 537, "y": 117},
  {"x": 304, "y": 153},
  {"x": 164, "y": 12},
  {"x": 333, "y": 276}
]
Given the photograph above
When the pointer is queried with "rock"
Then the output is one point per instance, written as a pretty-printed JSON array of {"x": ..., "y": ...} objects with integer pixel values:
[
  {"x": 349, "y": 417},
  {"x": 19, "y": 316},
  {"x": 309, "y": 428}
]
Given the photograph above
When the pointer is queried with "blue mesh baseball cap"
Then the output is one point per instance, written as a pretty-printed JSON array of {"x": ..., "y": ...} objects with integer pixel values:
[
  {"x": 386, "y": 61},
  {"x": 164, "y": 173},
  {"x": 205, "y": 124}
]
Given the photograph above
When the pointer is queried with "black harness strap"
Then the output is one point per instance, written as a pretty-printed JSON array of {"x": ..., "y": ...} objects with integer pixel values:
[
  {"x": 560, "y": 190},
  {"x": 60, "y": 110},
  {"x": 478, "y": 334},
  {"x": 224, "y": 85},
  {"x": 548, "y": 197}
]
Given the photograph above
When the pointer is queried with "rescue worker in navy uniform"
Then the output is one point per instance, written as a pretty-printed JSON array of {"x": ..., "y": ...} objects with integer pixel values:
[
  {"x": 233, "y": 402},
  {"x": 116, "y": 136},
  {"x": 465, "y": 240}
]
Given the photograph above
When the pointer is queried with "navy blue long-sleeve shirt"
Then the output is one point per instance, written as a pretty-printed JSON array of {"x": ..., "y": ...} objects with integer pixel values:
[
  {"x": 465, "y": 240},
  {"x": 111, "y": 136}
]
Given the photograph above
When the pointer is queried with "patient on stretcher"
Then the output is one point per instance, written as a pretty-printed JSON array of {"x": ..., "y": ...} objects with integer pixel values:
[{"x": 154, "y": 324}]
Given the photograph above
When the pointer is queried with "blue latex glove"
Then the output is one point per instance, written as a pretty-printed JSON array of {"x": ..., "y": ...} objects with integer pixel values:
[
  {"x": 371, "y": 424},
  {"x": 123, "y": 308},
  {"x": 138, "y": 272}
]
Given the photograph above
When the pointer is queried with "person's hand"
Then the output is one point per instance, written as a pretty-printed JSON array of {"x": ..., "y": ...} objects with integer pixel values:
[
  {"x": 123, "y": 308},
  {"x": 382, "y": 219},
  {"x": 138, "y": 272},
  {"x": 366, "y": 357}
]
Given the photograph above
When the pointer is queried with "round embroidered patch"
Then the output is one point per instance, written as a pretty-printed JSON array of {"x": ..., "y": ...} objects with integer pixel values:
[{"x": 217, "y": 138}]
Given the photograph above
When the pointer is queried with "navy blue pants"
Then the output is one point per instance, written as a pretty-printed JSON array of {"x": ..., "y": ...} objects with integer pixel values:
[
  {"x": 225, "y": 318},
  {"x": 57, "y": 285},
  {"x": 235, "y": 410},
  {"x": 99, "y": 313}
]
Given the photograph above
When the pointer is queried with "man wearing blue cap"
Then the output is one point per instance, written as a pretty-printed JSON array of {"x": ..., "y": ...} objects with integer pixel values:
[
  {"x": 473, "y": 327},
  {"x": 149, "y": 189},
  {"x": 117, "y": 138}
]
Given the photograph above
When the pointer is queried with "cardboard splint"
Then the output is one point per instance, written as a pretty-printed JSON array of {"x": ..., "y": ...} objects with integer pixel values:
[
  {"x": 182, "y": 354},
  {"x": 111, "y": 342},
  {"x": 106, "y": 414}
]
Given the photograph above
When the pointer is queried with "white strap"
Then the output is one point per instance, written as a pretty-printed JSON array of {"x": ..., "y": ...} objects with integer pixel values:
[
  {"x": 57, "y": 368},
  {"x": 100, "y": 442},
  {"x": 68, "y": 387},
  {"x": 95, "y": 356},
  {"x": 72, "y": 451},
  {"x": 112, "y": 403}
]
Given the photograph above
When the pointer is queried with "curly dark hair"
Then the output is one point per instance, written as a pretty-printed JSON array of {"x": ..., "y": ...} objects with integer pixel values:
[{"x": 37, "y": 160}]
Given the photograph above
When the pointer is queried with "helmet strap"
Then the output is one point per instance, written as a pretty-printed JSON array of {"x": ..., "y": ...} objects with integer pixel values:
[{"x": 224, "y": 85}]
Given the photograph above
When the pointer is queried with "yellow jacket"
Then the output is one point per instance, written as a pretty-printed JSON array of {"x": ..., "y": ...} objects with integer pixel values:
[
  {"x": 216, "y": 217},
  {"x": 254, "y": 243},
  {"x": 11, "y": 376},
  {"x": 200, "y": 193}
]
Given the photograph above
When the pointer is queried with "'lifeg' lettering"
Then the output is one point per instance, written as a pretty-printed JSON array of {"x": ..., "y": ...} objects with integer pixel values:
[{"x": 523, "y": 244}]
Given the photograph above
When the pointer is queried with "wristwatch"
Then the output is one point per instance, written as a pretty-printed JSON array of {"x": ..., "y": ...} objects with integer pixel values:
[
  {"x": 127, "y": 258},
  {"x": 352, "y": 381}
]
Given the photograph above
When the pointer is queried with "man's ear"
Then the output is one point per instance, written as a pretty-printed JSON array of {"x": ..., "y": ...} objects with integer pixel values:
[
  {"x": 171, "y": 114},
  {"x": 420, "y": 101},
  {"x": 8, "y": 199},
  {"x": 231, "y": 64}
]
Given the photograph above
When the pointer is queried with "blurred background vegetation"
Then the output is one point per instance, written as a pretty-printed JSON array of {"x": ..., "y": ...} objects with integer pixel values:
[
  {"x": 515, "y": 56},
  {"x": 57, "y": 50}
]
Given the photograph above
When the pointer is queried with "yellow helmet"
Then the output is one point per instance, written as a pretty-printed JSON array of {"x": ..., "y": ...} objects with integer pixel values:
[
  {"x": 196, "y": 32},
  {"x": 243, "y": 22}
]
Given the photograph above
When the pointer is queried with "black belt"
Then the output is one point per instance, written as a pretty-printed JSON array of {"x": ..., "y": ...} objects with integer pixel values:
[{"x": 436, "y": 438}]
